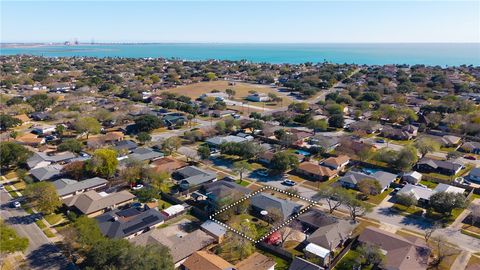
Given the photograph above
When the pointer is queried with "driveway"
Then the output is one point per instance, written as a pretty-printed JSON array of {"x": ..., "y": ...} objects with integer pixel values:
[{"x": 41, "y": 253}]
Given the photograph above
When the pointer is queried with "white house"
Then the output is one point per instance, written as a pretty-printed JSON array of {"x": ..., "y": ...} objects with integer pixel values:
[{"x": 258, "y": 97}]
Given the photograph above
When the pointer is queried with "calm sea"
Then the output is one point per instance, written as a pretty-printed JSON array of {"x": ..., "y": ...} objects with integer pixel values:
[{"x": 370, "y": 54}]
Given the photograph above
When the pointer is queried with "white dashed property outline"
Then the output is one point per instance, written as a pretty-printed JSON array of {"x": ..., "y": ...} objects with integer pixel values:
[{"x": 274, "y": 229}]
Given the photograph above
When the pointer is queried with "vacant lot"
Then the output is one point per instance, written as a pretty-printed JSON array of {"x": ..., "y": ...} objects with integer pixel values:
[{"x": 196, "y": 89}]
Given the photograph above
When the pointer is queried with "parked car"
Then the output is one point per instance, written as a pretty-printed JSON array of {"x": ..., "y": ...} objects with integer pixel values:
[
  {"x": 16, "y": 204},
  {"x": 380, "y": 141},
  {"x": 288, "y": 182},
  {"x": 470, "y": 157},
  {"x": 263, "y": 173},
  {"x": 137, "y": 187}
]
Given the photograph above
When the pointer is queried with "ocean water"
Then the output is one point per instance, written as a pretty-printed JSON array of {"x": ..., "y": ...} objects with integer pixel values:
[{"x": 443, "y": 54}]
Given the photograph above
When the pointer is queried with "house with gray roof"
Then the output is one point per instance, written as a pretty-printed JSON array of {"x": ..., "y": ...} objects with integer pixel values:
[
  {"x": 421, "y": 194},
  {"x": 428, "y": 165},
  {"x": 471, "y": 147},
  {"x": 39, "y": 159},
  {"x": 219, "y": 190},
  {"x": 129, "y": 222},
  {"x": 191, "y": 176},
  {"x": 214, "y": 229},
  {"x": 474, "y": 175},
  {"x": 352, "y": 178},
  {"x": 125, "y": 145},
  {"x": 263, "y": 201},
  {"x": 302, "y": 264},
  {"x": 68, "y": 187},
  {"x": 145, "y": 154},
  {"x": 47, "y": 172},
  {"x": 218, "y": 140}
]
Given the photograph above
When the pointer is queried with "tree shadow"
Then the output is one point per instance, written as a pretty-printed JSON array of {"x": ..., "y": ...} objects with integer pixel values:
[{"x": 48, "y": 256}]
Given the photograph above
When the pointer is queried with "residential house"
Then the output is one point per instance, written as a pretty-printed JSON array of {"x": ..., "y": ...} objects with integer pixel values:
[
  {"x": 448, "y": 188},
  {"x": 219, "y": 96},
  {"x": 352, "y": 178},
  {"x": 263, "y": 201},
  {"x": 327, "y": 143},
  {"x": 315, "y": 171},
  {"x": 219, "y": 140},
  {"x": 222, "y": 189},
  {"x": 129, "y": 222},
  {"x": 336, "y": 163},
  {"x": 204, "y": 260},
  {"x": 192, "y": 176},
  {"x": 450, "y": 140},
  {"x": 404, "y": 133},
  {"x": 258, "y": 97},
  {"x": 48, "y": 172},
  {"x": 125, "y": 146},
  {"x": 30, "y": 139},
  {"x": 167, "y": 164},
  {"x": 302, "y": 264},
  {"x": 412, "y": 177},
  {"x": 421, "y": 194},
  {"x": 474, "y": 175},
  {"x": 265, "y": 157},
  {"x": 366, "y": 126},
  {"x": 40, "y": 116},
  {"x": 401, "y": 253},
  {"x": 43, "y": 129},
  {"x": 181, "y": 244},
  {"x": 68, "y": 187},
  {"x": 145, "y": 154},
  {"x": 214, "y": 229},
  {"x": 330, "y": 233},
  {"x": 41, "y": 159},
  {"x": 224, "y": 113},
  {"x": 172, "y": 120},
  {"x": 92, "y": 203},
  {"x": 256, "y": 261},
  {"x": 427, "y": 165},
  {"x": 471, "y": 147}
]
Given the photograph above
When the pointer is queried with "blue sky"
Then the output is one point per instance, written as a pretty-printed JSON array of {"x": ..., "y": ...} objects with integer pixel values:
[{"x": 243, "y": 22}]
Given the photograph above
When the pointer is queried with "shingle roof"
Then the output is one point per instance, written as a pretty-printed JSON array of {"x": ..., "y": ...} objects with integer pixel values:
[
  {"x": 265, "y": 201},
  {"x": 38, "y": 157},
  {"x": 47, "y": 172},
  {"x": 439, "y": 164},
  {"x": 203, "y": 260},
  {"x": 384, "y": 178},
  {"x": 67, "y": 186},
  {"x": 417, "y": 191},
  {"x": 256, "y": 261},
  {"x": 331, "y": 235},
  {"x": 143, "y": 153},
  {"x": 123, "y": 223},
  {"x": 195, "y": 176},
  {"x": 401, "y": 253},
  {"x": 91, "y": 201},
  {"x": 301, "y": 264},
  {"x": 316, "y": 169},
  {"x": 127, "y": 145}
]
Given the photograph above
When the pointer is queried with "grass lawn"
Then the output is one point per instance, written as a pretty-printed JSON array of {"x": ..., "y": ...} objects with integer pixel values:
[
  {"x": 244, "y": 183},
  {"x": 196, "y": 89},
  {"x": 54, "y": 219},
  {"x": 11, "y": 175},
  {"x": 10, "y": 190},
  {"x": 290, "y": 247},
  {"x": 349, "y": 261},
  {"x": 40, "y": 224},
  {"x": 362, "y": 225},
  {"x": 412, "y": 210},
  {"x": 163, "y": 204},
  {"x": 429, "y": 184},
  {"x": 48, "y": 233},
  {"x": 469, "y": 233},
  {"x": 261, "y": 226},
  {"x": 19, "y": 185},
  {"x": 380, "y": 197}
]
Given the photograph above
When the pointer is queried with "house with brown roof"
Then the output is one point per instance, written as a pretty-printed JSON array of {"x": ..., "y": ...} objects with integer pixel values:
[
  {"x": 204, "y": 260},
  {"x": 92, "y": 203},
  {"x": 167, "y": 164},
  {"x": 336, "y": 163},
  {"x": 24, "y": 118},
  {"x": 315, "y": 171},
  {"x": 256, "y": 261},
  {"x": 401, "y": 253},
  {"x": 30, "y": 139}
]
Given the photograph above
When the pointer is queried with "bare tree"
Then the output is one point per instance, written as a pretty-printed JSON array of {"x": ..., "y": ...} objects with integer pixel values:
[
  {"x": 429, "y": 231},
  {"x": 474, "y": 214},
  {"x": 286, "y": 231},
  {"x": 334, "y": 196},
  {"x": 442, "y": 250}
]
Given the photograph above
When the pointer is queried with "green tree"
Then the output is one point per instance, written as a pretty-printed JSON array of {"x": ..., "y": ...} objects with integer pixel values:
[
  {"x": 210, "y": 76},
  {"x": 444, "y": 202},
  {"x": 372, "y": 255},
  {"x": 406, "y": 158},
  {"x": 283, "y": 161},
  {"x": 43, "y": 196},
  {"x": 88, "y": 125},
  {"x": 334, "y": 196},
  {"x": 13, "y": 154},
  {"x": 357, "y": 208},
  {"x": 10, "y": 242},
  {"x": 89, "y": 233},
  {"x": 406, "y": 199},
  {"x": 143, "y": 137},
  {"x": 336, "y": 120},
  {"x": 60, "y": 129},
  {"x": 103, "y": 162},
  {"x": 318, "y": 125},
  {"x": 147, "y": 123},
  {"x": 204, "y": 152},
  {"x": 171, "y": 144},
  {"x": 221, "y": 127},
  {"x": 158, "y": 180},
  {"x": 230, "y": 92},
  {"x": 75, "y": 169},
  {"x": 40, "y": 102},
  {"x": 426, "y": 145},
  {"x": 241, "y": 167},
  {"x": 71, "y": 145},
  {"x": 7, "y": 121},
  {"x": 369, "y": 186}
]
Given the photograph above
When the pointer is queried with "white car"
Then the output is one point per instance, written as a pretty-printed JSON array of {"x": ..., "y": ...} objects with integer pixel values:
[
  {"x": 16, "y": 204},
  {"x": 137, "y": 187},
  {"x": 288, "y": 182},
  {"x": 263, "y": 173}
]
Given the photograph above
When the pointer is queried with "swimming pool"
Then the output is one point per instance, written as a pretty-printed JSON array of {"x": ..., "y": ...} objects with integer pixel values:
[
  {"x": 303, "y": 153},
  {"x": 370, "y": 170}
]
